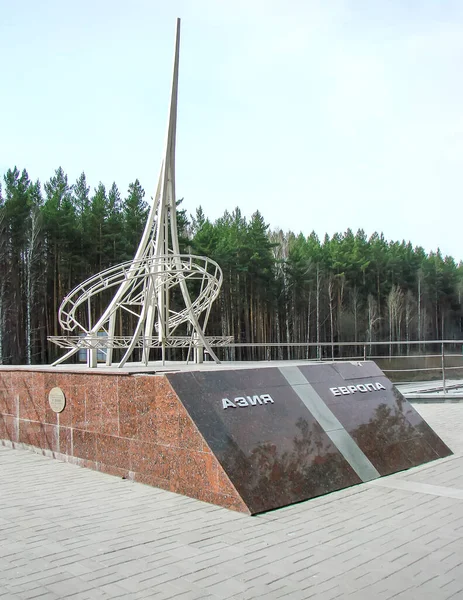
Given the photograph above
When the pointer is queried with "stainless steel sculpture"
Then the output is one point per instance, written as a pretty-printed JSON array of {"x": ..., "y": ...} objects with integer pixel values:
[{"x": 144, "y": 286}]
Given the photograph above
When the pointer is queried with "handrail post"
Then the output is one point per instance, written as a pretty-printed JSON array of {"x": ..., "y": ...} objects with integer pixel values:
[{"x": 443, "y": 369}]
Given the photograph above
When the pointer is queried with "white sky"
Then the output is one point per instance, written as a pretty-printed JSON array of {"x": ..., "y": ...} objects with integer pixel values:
[{"x": 322, "y": 114}]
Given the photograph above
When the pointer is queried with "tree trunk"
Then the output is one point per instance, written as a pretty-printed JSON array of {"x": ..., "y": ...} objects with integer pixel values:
[
  {"x": 318, "y": 313},
  {"x": 330, "y": 300}
]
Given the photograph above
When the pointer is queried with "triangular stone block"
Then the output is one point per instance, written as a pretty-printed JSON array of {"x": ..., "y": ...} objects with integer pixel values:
[
  {"x": 250, "y": 439},
  {"x": 287, "y": 434}
]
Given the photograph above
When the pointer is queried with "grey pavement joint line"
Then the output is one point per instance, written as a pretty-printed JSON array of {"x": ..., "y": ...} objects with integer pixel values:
[
  {"x": 423, "y": 488},
  {"x": 330, "y": 424}
]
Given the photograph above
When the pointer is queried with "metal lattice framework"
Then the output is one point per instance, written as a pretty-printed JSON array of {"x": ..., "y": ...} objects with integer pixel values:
[{"x": 152, "y": 291}]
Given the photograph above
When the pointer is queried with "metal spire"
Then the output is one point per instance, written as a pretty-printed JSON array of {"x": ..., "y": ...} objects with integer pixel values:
[{"x": 144, "y": 287}]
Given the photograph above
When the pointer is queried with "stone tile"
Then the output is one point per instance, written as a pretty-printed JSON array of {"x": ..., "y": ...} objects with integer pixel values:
[
  {"x": 113, "y": 451},
  {"x": 84, "y": 444}
]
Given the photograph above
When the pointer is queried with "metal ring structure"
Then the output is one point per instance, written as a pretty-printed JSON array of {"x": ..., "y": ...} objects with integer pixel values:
[
  {"x": 164, "y": 272},
  {"x": 153, "y": 275}
]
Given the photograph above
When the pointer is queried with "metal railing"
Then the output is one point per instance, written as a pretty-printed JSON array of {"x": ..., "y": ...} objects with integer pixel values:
[{"x": 430, "y": 359}]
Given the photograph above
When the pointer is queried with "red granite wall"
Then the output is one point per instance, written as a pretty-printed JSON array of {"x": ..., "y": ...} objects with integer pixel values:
[{"x": 132, "y": 426}]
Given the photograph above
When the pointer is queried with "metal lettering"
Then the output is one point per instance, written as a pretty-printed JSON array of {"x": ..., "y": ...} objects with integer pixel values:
[
  {"x": 253, "y": 400},
  {"x": 266, "y": 398},
  {"x": 226, "y": 403},
  {"x": 243, "y": 401},
  {"x": 240, "y": 401},
  {"x": 352, "y": 389}
]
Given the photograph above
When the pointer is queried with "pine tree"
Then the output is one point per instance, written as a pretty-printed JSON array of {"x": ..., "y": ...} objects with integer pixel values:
[
  {"x": 114, "y": 242},
  {"x": 16, "y": 213},
  {"x": 134, "y": 211},
  {"x": 61, "y": 241}
]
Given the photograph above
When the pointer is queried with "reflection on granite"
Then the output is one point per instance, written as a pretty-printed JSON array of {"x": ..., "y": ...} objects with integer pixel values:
[
  {"x": 385, "y": 426},
  {"x": 274, "y": 453}
]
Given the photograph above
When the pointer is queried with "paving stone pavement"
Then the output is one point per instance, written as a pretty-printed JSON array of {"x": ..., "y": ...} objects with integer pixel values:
[{"x": 67, "y": 532}]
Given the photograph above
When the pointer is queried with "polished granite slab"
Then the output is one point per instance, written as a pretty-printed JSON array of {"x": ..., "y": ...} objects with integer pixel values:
[{"x": 286, "y": 434}]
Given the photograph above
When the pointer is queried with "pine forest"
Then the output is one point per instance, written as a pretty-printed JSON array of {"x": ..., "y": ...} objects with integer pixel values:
[{"x": 278, "y": 286}]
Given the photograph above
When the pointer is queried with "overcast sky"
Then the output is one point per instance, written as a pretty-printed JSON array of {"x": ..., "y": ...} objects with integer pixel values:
[{"x": 321, "y": 114}]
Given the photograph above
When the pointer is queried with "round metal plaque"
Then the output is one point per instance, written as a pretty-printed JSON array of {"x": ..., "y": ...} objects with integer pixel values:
[{"x": 57, "y": 400}]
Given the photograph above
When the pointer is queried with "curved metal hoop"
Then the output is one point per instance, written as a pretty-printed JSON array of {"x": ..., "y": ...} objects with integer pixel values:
[
  {"x": 164, "y": 272},
  {"x": 141, "y": 283}
]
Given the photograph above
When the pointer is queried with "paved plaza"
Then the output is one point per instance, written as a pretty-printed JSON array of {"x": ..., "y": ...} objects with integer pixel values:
[{"x": 67, "y": 532}]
